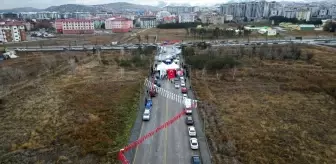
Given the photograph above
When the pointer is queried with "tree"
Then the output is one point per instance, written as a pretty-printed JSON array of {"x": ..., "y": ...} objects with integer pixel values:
[
  {"x": 139, "y": 38},
  {"x": 329, "y": 26},
  {"x": 147, "y": 37},
  {"x": 102, "y": 26},
  {"x": 202, "y": 32},
  {"x": 216, "y": 32},
  {"x": 187, "y": 31}
]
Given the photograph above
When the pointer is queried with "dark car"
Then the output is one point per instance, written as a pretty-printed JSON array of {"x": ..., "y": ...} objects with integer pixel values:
[
  {"x": 158, "y": 84},
  {"x": 195, "y": 159},
  {"x": 189, "y": 120}
]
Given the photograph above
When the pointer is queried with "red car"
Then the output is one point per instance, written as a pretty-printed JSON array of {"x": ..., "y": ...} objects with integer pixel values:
[{"x": 184, "y": 90}]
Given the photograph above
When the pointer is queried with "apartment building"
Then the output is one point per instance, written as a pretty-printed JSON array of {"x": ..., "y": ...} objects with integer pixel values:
[
  {"x": 186, "y": 17},
  {"x": 74, "y": 26},
  {"x": 249, "y": 10},
  {"x": 147, "y": 21},
  {"x": 12, "y": 32},
  {"x": 303, "y": 15},
  {"x": 182, "y": 9}
]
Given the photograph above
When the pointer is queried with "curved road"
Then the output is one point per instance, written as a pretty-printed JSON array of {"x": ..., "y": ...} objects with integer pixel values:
[{"x": 171, "y": 145}]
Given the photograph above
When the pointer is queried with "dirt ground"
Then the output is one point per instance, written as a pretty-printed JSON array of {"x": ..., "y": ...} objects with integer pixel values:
[
  {"x": 76, "y": 40},
  {"x": 271, "y": 111},
  {"x": 310, "y": 33},
  {"x": 162, "y": 34},
  {"x": 64, "y": 108}
]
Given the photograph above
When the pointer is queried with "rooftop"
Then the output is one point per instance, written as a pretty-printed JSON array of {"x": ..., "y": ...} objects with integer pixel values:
[
  {"x": 73, "y": 20},
  {"x": 16, "y": 23}
]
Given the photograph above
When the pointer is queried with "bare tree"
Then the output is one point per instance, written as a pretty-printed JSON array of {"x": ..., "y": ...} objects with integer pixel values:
[
  {"x": 73, "y": 65},
  {"x": 48, "y": 62}
]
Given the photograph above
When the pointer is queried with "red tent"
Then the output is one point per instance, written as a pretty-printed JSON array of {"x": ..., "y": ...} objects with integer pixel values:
[{"x": 171, "y": 73}]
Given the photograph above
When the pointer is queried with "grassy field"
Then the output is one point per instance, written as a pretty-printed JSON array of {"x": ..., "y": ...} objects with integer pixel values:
[
  {"x": 67, "y": 108},
  {"x": 271, "y": 111}
]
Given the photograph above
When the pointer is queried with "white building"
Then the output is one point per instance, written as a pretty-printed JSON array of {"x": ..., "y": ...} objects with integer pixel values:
[
  {"x": 303, "y": 15},
  {"x": 147, "y": 21},
  {"x": 109, "y": 23},
  {"x": 12, "y": 32},
  {"x": 186, "y": 17}
]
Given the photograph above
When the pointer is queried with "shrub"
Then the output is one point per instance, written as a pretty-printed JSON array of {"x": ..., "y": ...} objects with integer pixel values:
[{"x": 178, "y": 25}]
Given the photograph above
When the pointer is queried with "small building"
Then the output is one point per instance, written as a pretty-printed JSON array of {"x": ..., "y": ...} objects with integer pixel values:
[
  {"x": 74, "y": 26},
  {"x": 122, "y": 25},
  {"x": 271, "y": 32},
  {"x": 306, "y": 27}
]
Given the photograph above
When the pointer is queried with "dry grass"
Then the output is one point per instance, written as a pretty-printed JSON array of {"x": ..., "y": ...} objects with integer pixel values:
[
  {"x": 309, "y": 33},
  {"x": 272, "y": 111},
  {"x": 83, "y": 116},
  {"x": 166, "y": 34},
  {"x": 74, "y": 40}
]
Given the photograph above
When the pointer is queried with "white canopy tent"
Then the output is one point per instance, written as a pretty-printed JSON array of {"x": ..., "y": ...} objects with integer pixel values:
[{"x": 162, "y": 68}]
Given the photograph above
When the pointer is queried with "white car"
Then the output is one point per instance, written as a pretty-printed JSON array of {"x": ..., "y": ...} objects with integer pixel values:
[
  {"x": 183, "y": 84},
  {"x": 182, "y": 78},
  {"x": 177, "y": 85},
  {"x": 188, "y": 111},
  {"x": 192, "y": 131},
  {"x": 185, "y": 95},
  {"x": 194, "y": 143},
  {"x": 146, "y": 115}
]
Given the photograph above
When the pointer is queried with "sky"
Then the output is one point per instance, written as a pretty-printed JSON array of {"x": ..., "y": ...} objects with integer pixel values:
[{"x": 40, "y": 4}]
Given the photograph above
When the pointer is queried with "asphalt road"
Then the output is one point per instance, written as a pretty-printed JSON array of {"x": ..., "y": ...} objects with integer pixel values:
[{"x": 171, "y": 145}]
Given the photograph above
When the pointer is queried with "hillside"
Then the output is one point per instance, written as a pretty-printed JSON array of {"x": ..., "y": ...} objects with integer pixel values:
[
  {"x": 72, "y": 8},
  {"x": 21, "y": 9},
  {"x": 118, "y": 6}
]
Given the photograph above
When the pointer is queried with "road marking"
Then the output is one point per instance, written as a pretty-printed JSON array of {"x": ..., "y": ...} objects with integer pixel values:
[
  {"x": 136, "y": 149},
  {"x": 166, "y": 137}
]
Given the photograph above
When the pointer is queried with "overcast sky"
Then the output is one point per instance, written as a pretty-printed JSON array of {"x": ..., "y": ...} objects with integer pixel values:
[{"x": 8, "y": 4}]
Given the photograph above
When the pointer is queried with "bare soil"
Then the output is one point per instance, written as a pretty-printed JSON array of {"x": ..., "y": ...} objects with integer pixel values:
[
  {"x": 80, "y": 114},
  {"x": 75, "y": 40},
  {"x": 271, "y": 111}
]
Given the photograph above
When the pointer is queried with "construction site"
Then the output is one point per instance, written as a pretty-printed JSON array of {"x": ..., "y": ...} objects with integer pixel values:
[{"x": 63, "y": 107}]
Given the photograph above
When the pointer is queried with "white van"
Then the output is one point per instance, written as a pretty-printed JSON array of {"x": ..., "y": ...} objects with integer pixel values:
[{"x": 187, "y": 106}]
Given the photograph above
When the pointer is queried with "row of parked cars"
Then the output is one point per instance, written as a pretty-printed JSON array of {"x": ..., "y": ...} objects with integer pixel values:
[{"x": 180, "y": 82}]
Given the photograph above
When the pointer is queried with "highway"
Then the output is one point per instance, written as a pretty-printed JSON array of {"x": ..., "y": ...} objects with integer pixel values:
[{"x": 171, "y": 145}]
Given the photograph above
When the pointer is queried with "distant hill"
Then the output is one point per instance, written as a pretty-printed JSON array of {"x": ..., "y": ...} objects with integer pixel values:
[
  {"x": 71, "y": 8},
  {"x": 118, "y": 6},
  {"x": 21, "y": 9}
]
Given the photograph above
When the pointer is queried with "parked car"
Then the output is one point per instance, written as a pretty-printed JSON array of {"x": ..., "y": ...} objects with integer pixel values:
[
  {"x": 185, "y": 95},
  {"x": 193, "y": 143},
  {"x": 183, "y": 84},
  {"x": 177, "y": 85},
  {"x": 184, "y": 90},
  {"x": 189, "y": 120},
  {"x": 188, "y": 111},
  {"x": 146, "y": 115},
  {"x": 195, "y": 159},
  {"x": 192, "y": 131}
]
